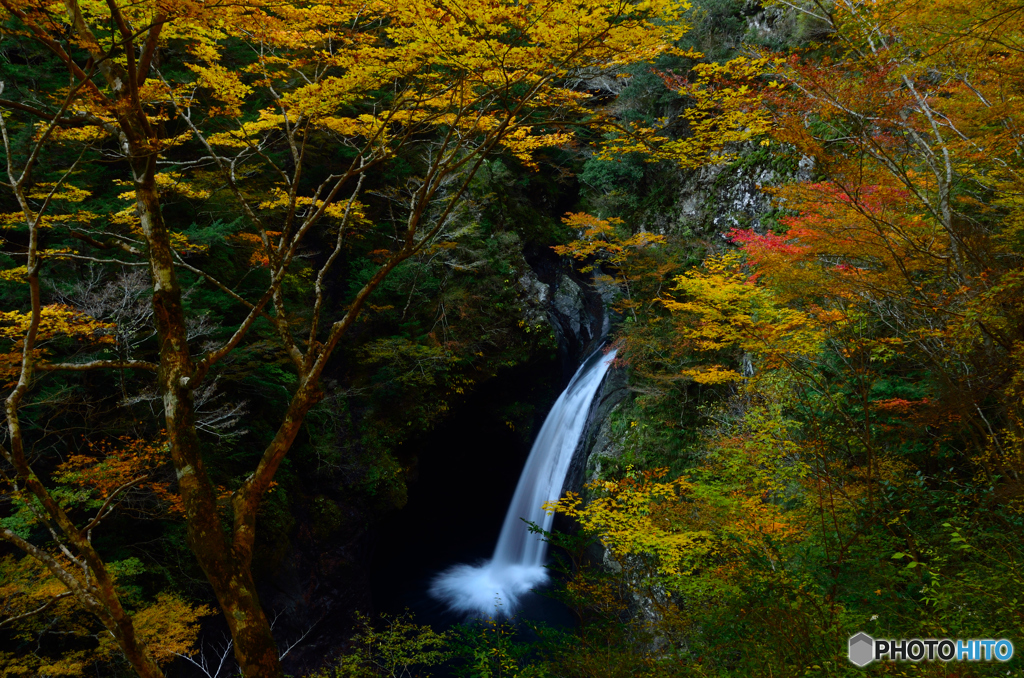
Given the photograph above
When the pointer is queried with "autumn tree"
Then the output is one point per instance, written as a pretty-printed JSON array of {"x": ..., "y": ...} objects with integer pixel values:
[
  {"x": 911, "y": 231},
  {"x": 234, "y": 105},
  {"x": 852, "y": 363}
]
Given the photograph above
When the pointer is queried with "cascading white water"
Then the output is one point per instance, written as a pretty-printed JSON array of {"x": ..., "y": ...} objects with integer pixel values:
[{"x": 494, "y": 587}]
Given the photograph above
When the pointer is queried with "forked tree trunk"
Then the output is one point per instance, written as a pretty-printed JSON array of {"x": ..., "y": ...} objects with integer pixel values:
[{"x": 227, "y": 571}]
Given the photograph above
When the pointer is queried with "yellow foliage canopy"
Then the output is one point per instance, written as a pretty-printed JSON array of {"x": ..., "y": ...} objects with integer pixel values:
[
  {"x": 639, "y": 515},
  {"x": 169, "y": 623},
  {"x": 720, "y": 308},
  {"x": 725, "y": 110},
  {"x": 56, "y": 321}
]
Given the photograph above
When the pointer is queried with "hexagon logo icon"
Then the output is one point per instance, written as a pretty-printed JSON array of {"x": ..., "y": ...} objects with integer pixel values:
[{"x": 862, "y": 649}]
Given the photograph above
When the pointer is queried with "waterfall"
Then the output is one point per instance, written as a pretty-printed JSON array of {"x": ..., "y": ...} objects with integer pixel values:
[{"x": 494, "y": 587}]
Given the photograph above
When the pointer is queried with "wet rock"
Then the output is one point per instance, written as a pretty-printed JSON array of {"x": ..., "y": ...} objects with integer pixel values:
[
  {"x": 606, "y": 446},
  {"x": 570, "y": 309},
  {"x": 536, "y": 297},
  {"x": 599, "y": 81},
  {"x": 597, "y": 441}
]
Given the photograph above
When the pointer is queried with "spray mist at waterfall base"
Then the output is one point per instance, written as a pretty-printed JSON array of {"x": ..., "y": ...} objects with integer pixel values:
[
  {"x": 496, "y": 587},
  {"x": 487, "y": 589}
]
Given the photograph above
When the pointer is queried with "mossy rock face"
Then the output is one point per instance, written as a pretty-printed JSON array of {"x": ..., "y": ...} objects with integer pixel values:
[{"x": 325, "y": 518}]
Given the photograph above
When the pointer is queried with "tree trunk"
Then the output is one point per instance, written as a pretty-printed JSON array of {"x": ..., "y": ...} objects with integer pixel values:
[{"x": 227, "y": 571}]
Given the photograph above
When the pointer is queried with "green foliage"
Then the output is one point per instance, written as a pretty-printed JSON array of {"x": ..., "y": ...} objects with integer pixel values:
[
  {"x": 494, "y": 649},
  {"x": 395, "y": 647}
]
